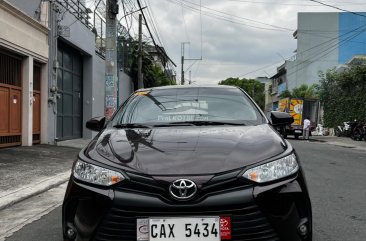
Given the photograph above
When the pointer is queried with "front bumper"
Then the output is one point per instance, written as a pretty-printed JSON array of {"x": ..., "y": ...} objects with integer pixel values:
[{"x": 267, "y": 212}]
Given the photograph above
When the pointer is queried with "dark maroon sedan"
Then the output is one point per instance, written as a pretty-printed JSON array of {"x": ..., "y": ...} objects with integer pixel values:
[{"x": 198, "y": 163}]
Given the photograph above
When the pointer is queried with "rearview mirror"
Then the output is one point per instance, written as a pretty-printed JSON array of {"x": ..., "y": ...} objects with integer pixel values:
[
  {"x": 96, "y": 123},
  {"x": 279, "y": 118}
]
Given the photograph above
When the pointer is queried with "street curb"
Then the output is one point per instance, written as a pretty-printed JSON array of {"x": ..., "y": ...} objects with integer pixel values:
[{"x": 42, "y": 185}]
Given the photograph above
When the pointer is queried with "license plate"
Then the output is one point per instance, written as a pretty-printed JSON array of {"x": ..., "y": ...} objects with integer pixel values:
[
  {"x": 179, "y": 229},
  {"x": 298, "y": 131}
]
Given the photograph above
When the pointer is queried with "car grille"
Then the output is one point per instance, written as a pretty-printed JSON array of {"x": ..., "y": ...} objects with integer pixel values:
[
  {"x": 150, "y": 186},
  {"x": 247, "y": 221}
]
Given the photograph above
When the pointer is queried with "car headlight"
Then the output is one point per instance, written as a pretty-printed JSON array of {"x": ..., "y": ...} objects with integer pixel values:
[
  {"x": 94, "y": 174},
  {"x": 273, "y": 170}
]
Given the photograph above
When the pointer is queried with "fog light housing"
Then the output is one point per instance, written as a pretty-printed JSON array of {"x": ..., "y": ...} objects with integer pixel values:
[
  {"x": 70, "y": 233},
  {"x": 303, "y": 228}
]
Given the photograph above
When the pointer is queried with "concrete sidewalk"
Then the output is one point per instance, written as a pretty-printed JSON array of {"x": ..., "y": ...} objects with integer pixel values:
[
  {"x": 28, "y": 171},
  {"x": 346, "y": 142}
]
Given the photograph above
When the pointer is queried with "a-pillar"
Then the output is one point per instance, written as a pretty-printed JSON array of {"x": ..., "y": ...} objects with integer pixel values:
[{"x": 27, "y": 100}]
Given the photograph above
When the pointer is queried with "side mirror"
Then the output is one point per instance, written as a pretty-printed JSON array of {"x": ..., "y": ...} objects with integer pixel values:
[
  {"x": 96, "y": 123},
  {"x": 279, "y": 118}
]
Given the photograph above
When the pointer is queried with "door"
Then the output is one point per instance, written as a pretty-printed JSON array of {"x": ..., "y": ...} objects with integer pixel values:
[
  {"x": 10, "y": 100},
  {"x": 69, "y": 84},
  {"x": 36, "y": 131}
]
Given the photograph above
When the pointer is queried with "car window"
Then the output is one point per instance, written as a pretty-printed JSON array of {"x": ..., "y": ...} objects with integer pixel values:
[{"x": 167, "y": 106}]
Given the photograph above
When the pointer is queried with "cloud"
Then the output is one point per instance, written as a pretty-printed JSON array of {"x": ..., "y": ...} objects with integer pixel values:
[{"x": 231, "y": 44}]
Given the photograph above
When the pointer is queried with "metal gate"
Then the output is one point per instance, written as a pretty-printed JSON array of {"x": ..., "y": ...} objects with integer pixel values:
[
  {"x": 10, "y": 100},
  {"x": 69, "y": 84}
]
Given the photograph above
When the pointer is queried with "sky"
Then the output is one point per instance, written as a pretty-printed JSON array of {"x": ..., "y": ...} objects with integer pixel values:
[{"x": 234, "y": 38}]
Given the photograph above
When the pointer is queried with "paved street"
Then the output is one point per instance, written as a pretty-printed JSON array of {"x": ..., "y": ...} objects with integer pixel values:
[{"x": 336, "y": 178}]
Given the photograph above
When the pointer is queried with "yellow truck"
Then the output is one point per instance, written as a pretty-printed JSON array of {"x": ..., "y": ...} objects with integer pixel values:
[{"x": 298, "y": 109}]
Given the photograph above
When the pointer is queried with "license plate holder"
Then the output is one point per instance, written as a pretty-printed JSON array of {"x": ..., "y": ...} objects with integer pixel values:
[{"x": 179, "y": 229}]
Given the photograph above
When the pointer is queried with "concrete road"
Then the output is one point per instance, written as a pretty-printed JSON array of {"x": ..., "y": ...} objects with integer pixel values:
[{"x": 336, "y": 178}]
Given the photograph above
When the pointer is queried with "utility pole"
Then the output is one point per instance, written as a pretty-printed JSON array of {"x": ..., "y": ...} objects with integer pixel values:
[
  {"x": 140, "y": 82},
  {"x": 182, "y": 72},
  {"x": 182, "y": 61},
  {"x": 110, "y": 104}
]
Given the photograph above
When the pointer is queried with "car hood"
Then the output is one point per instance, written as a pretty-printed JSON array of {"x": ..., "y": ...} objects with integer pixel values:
[{"x": 185, "y": 150}]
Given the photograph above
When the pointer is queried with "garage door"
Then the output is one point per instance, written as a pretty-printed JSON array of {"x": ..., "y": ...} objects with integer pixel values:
[{"x": 69, "y": 83}]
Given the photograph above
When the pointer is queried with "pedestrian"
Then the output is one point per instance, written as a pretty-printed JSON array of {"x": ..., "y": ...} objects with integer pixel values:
[{"x": 306, "y": 130}]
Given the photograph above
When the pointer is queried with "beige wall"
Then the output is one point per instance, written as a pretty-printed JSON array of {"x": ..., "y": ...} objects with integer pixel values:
[
  {"x": 21, "y": 33},
  {"x": 28, "y": 38}
]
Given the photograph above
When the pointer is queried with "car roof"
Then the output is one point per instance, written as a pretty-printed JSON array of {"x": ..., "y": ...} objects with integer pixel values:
[{"x": 188, "y": 87}]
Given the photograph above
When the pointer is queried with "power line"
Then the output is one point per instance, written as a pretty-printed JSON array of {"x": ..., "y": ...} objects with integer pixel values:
[
  {"x": 329, "y": 42},
  {"x": 152, "y": 37},
  {"x": 184, "y": 23},
  {"x": 275, "y": 3},
  {"x": 227, "y": 19},
  {"x": 328, "y": 50},
  {"x": 344, "y": 10},
  {"x": 291, "y": 4},
  {"x": 155, "y": 25},
  {"x": 261, "y": 68},
  {"x": 335, "y": 38},
  {"x": 125, "y": 16},
  {"x": 331, "y": 48},
  {"x": 238, "y": 17}
]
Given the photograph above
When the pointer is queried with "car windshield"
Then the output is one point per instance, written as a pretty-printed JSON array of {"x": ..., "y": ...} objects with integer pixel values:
[{"x": 201, "y": 105}]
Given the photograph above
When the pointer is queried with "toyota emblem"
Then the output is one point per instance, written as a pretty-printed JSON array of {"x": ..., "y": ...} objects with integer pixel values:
[{"x": 183, "y": 189}]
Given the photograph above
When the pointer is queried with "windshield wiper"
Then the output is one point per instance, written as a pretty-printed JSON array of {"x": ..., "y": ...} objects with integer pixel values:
[
  {"x": 203, "y": 123},
  {"x": 131, "y": 125}
]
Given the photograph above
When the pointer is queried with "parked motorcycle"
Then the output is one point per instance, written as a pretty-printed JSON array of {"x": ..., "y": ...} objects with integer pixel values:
[
  {"x": 343, "y": 130},
  {"x": 361, "y": 128},
  {"x": 357, "y": 130}
]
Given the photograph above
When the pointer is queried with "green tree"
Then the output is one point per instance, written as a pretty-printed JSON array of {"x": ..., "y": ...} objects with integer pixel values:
[
  {"x": 156, "y": 77},
  {"x": 152, "y": 74},
  {"x": 286, "y": 94},
  {"x": 303, "y": 91},
  {"x": 253, "y": 87},
  {"x": 343, "y": 95}
]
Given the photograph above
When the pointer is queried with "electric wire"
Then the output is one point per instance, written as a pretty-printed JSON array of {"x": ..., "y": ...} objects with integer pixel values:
[
  {"x": 155, "y": 28},
  {"x": 184, "y": 23},
  {"x": 326, "y": 43},
  {"x": 317, "y": 56},
  {"x": 293, "y": 4},
  {"x": 344, "y": 10},
  {"x": 152, "y": 37},
  {"x": 154, "y": 25},
  {"x": 227, "y": 19},
  {"x": 125, "y": 16}
]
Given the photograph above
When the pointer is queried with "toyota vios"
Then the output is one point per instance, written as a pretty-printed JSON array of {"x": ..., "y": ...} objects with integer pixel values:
[{"x": 198, "y": 163}]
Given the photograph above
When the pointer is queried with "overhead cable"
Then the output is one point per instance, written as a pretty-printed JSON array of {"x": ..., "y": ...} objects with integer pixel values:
[{"x": 344, "y": 10}]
